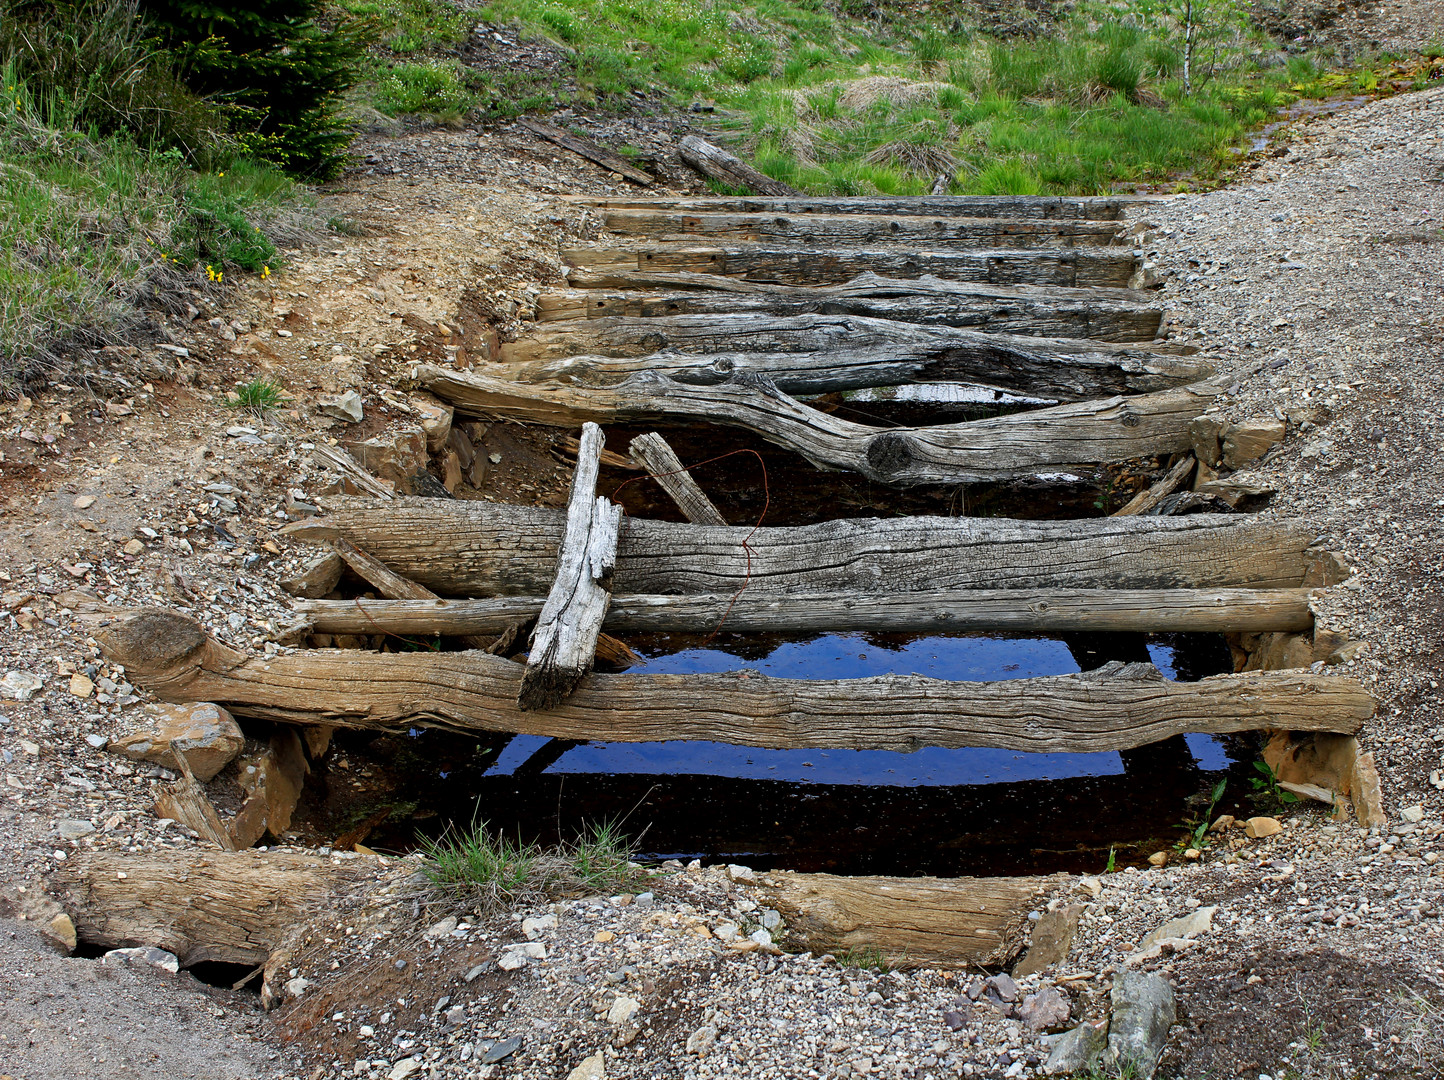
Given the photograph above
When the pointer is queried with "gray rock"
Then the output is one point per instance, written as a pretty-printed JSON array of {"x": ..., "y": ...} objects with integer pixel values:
[
  {"x": 1002, "y": 986},
  {"x": 99, "y": 742},
  {"x": 1047, "y": 1010},
  {"x": 1079, "y": 1050},
  {"x": 73, "y": 829},
  {"x": 149, "y": 954},
  {"x": 501, "y": 1050},
  {"x": 956, "y": 1019},
  {"x": 206, "y": 733},
  {"x": 1143, "y": 1011},
  {"x": 20, "y": 685},
  {"x": 701, "y": 1040},
  {"x": 345, "y": 406}
]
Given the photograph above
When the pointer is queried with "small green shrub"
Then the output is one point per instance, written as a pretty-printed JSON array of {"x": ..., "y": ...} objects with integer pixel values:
[
  {"x": 257, "y": 396},
  {"x": 437, "y": 89}
]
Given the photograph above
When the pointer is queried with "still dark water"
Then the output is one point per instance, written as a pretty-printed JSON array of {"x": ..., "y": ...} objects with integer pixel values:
[{"x": 935, "y": 811}]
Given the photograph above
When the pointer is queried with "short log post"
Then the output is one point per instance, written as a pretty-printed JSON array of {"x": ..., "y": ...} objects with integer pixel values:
[{"x": 652, "y": 453}]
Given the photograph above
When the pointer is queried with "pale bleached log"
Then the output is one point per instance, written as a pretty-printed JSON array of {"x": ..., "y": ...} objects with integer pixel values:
[
  {"x": 654, "y": 455},
  {"x": 1149, "y": 498},
  {"x": 1023, "y": 444},
  {"x": 1024, "y": 611},
  {"x": 1117, "y": 707},
  {"x": 906, "y": 922},
  {"x": 726, "y": 168},
  {"x": 841, "y": 230},
  {"x": 564, "y": 643},
  {"x": 787, "y": 265},
  {"x": 1094, "y": 207},
  {"x": 493, "y": 549},
  {"x": 350, "y": 469}
]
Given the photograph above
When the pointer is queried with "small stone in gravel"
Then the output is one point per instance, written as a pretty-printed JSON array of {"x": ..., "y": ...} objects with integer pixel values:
[
  {"x": 701, "y": 1040},
  {"x": 345, "y": 407},
  {"x": 602, "y": 937},
  {"x": 532, "y": 928},
  {"x": 73, "y": 829},
  {"x": 479, "y": 970},
  {"x": 1046, "y": 1010},
  {"x": 99, "y": 742},
  {"x": 20, "y": 685},
  {"x": 404, "y": 1068},
  {"x": 81, "y": 685},
  {"x": 1413, "y": 814},
  {"x": 503, "y": 1049},
  {"x": 441, "y": 929},
  {"x": 149, "y": 954},
  {"x": 85, "y": 502},
  {"x": 1258, "y": 827},
  {"x": 1003, "y": 987},
  {"x": 1143, "y": 1011},
  {"x": 622, "y": 1010},
  {"x": 1078, "y": 1050},
  {"x": 956, "y": 1019}
]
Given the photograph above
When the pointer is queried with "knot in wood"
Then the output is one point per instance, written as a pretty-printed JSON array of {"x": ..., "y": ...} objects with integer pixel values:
[
  {"x": 890, "y": 454},
  {"x": 755, "y": 380},
  {"x": 1130, "y": 418},
  {"x": 724, "y": 365}
]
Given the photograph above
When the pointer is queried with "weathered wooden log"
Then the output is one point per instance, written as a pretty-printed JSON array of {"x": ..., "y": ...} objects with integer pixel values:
[
  {"x": 823, "y": 266},
  {"x": 1146, "y": 500},
  {"x": 818, "y": 354},
  {"x": 1022, "y": 444},
  {"x": 388, "y": 583},
  {"x": 654, "y": 455},
  {"x": 564, "y": 643},
  {"x": 1093, "y": 207},
  {"x": 717, "y": 164},
  {"x": 906, "y": 922},
  {"x": 1117, "y": 707},
  {"x": 233, "y": 907},
  {"x": 841, "y": 230},
  {"x": 492, "y": 549},
  {"x": 351, "y": 470},
  {"x": 587, "y": 149},
  {"x": 998, "y": 309},
  {"x": 1024, "y": 611}
]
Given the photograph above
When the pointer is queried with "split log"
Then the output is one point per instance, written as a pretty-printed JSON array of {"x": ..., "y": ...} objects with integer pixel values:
[
  {"x": 717, "y": 164},
  {"x": 564, "y": 643},
  {"x": 493, "y": 549},
  {"x": 1021, "y": 309},
  {"x": 841, "y": 230},
  {"x": 351, "y": 470},
  {"x": 787, "y": 265},
  {"x": 1117, "y": 707},
  {"x": 587, "y": 149},
  {"x": 1022, "y": 444},
  {"x": 1092, "y": 207},
  {"x": 388, "y": 583},
  {"x": 231, "y": 907},
  {"x": 1018, "y": 611},
  {"x": 1147, "y": 500},
  {"x": 654, "y": 455},
  {"x": 819, "y": 354},
  {"x": 907, "y": 922}
]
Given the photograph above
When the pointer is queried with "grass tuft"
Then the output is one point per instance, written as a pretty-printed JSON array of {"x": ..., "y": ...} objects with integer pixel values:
[{"x": 257, "y": 396}]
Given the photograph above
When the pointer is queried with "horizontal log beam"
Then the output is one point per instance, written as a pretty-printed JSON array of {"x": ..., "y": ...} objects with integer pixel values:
[
  {"x": 841, "y": 230},
  {"x": 1076, "y": 267},
  {"x": 1117, "y": 707},
  {"x": 478, "y": 548},
  {"x": 1094, "y": 207},
  {"x": 1023, "y": 611},
  {"x": 1023, "y": 444}
]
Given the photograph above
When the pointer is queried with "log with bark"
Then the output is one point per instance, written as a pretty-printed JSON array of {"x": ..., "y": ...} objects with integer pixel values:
[
  {"x": 493, "y": 549},
  {"x": 843, "y": 230},
  {"x": 652, "y": 453},
  {"x": 1116, "y": 707},
  {"x": 787, "y": 265},
  {"x": 717, "y": 164},
  {"x": 819, "y": 354},
  {"x": 1021, "y": 309},
  {"x": 907, "y": 922},
  {"x": 1022, "y": 444},
  {"x": 1013, "y": 611},
  {"x": 1091, "y": 207},
  {"x": 587, "y": 149}
]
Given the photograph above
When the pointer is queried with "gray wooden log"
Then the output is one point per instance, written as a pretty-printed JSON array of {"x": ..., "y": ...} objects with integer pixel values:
[
  {"x": 1023, "y": 444},
  {"x": 819, "y": 354},
  {"x": 1093, "y": 207},
  {"x": 717, "y": 164},
  {"x": 654, "y": 455},
  {"x": 842, "y": 230},
  {"x": 388, "y": 583},
  {"x": 1020, "y": 309},
  {"x": 587, "y": 149},
  {"x": 466, "y": 548},
  {"x": 564, "y": 644},
  {"x": 932, "y": 611},
  {"x": 1146, "y": 500},
  {"x": 786, "y": 265},
  {"x": 1117, "y": 707}
]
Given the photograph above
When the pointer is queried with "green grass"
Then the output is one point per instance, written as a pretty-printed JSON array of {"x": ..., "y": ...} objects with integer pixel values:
[
  {"x": 435, "y": 88},
  {"x": 257, "y": 396},
  {"x": 410, "y": 26}
]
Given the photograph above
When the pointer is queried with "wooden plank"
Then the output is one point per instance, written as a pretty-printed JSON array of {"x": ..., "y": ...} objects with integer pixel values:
[
  {"x": 1148, "y": 499},
  {"x": 818, "y": 354},
  {"x": 998, "y": 309},
  {"x": 564, "y": 644},
  {"x": 1023, "y": 611},
  {"x": 787, "y": 265},
  {"x": 906, "y": 922},
  {"x": 841, "y": 230},
  {"x": 335, "y": 457},
  {"x": 388, "y": 583},
  {"x": 1117, "y": 707},
  {"x": 493, "y": 549},
  {"x": 1094, "y": 207},
  {"x": 587, "y": 149},
  {"x": 726, "y": 168},
  {"x": 1023, "y": 444},
  {"x": 654, "y": 455}
]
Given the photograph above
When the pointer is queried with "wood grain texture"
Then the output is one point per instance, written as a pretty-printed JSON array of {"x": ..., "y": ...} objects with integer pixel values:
[
  {"x": 652, "y": 452},
  {"x": 726, "y": 168},
  {"x": 932, "y": 611},
  {"x": 1153, "y": 495},
  {"x": 1117, "y": 707},
  {"x": 493, "y": 549},
  {"x": 587, "y": 149},
  {"x": 1094, "y": 207},
  {"x": 564, "y": 643},
  {"x": 1022, "y": 444},
  {"x": 1076, "y": 267},
  {"x": 232, "y": 907},
  {"x": 908, "y": 922},
  {"x": 842, "y": 230}
]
